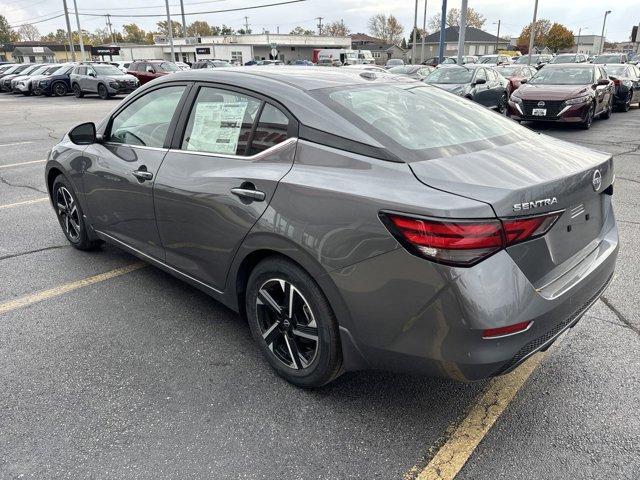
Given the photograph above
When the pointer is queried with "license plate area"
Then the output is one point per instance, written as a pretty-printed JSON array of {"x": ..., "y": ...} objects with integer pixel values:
[{"x": 539, "y": 112}]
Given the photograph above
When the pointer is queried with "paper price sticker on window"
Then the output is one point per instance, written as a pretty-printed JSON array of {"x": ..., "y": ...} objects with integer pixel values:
[{"x": 216, "y": 127}]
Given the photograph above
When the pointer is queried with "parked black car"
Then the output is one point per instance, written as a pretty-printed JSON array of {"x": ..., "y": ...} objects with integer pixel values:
[
  {"x": 473, "y": 81},
  {"x": 57, "y": 84},
  {"x": 626, "y": 79}
]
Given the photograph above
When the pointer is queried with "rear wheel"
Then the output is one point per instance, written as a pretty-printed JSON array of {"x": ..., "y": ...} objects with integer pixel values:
[
  {"x": 626, "y": 106},
  {"x": 26, "y": 93},
  {"x": 103, "y": 92},
  {"x": 588, "y": 121},
  {"x": 77, "y": 91},
  {"x": 69, "y": 213},
  {"x": 60, "y": 89},
  {"x": 293, "y": 323},
  {"x": 502, "y": 105}
]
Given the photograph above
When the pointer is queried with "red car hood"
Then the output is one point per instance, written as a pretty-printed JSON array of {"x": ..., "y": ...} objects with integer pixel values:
[{"x": 551, "y": 92}]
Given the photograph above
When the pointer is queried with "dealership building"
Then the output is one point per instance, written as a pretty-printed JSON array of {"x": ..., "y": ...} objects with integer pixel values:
[{"x": 236, "y": 48}]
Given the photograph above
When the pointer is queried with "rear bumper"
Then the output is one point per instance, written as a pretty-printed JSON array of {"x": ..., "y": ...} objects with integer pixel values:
[
  {"x": 568, "y": 114},
  {"x": 407, "y": 314}
]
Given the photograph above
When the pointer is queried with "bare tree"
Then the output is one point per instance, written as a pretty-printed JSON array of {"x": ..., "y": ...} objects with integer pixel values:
[
  {"x": 28, "y": 33},
  {"x": 336, "y": 29},
  {"x": 474, "y": 19},
  {"x": 386, "y": 28}
]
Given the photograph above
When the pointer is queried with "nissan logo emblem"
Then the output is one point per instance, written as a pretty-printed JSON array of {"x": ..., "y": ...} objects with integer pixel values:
[
  {"x": 596, "y": 180},
  {"x": 541, "y": 104}
]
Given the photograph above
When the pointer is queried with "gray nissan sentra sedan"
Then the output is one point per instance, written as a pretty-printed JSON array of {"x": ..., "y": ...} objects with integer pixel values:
[{"x": 355, "y": 220}]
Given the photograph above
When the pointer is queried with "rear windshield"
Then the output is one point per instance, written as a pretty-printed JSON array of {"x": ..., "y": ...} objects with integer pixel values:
[
  {"x": 421, "y": 122},
  {"x": 564, "y": 59},
  {"x": 563, "y": 76},
  {"x": 524, "y": 59},
  {"x": 450, "y": 75},
  {"x": 607, "y": 59},
  {"x": 167, "y": 67},
  {"x": 620, "y": 70},
  {"x": 488, "y": 59},
  {"x": 510, "y": 71},
  {"x": 107, "y": 70}
]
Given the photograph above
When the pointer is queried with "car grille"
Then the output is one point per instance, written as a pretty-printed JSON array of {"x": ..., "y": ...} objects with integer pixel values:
[
  {"x": 539, "y": 342},
  {"x": 553, "y": 107}
]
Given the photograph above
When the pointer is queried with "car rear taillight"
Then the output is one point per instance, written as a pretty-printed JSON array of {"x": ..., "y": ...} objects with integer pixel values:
[
  {"x": 463, "y": 243},
  {"x": 505, "y": 331},
  {"x": 616, "y": 82}
]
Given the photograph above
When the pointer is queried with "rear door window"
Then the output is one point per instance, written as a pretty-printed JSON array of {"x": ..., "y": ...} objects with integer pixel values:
[{"x": 271, "y": 130}]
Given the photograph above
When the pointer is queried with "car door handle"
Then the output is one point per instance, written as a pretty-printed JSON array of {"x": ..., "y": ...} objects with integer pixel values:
[
  {"x": 142, "y": 174},
  {"x": 249, "y": 194}
]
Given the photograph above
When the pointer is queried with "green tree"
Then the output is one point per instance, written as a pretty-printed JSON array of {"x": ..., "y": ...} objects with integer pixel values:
[
  {"x": 559, "y": 37},
  {"x": 59, "y": 36},
  {"x": 199, "y": 28},
  {"x": 176, "y": 28},
  {"x": 226, "y": 30},
  {"x": 244, "y": 31},
  {"x": 302, "y": 31},
  {"x": 133, "y": 33},
  {"x": 7, "y": 35},
  {"x": 542, "y": 29}
]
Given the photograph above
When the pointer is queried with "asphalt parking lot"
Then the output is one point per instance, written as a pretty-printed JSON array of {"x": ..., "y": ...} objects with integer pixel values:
[{"x": 137, "y": 375}]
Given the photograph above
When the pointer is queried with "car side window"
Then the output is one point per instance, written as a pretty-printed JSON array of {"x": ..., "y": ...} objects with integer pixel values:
[
  {"x": 145, "y": 122},
  {"x": 481, "y": 75},
  {"x": 272, "y": 129},
  {"x": 89, "y": 71},
  {"x": 221, "y": 121}
]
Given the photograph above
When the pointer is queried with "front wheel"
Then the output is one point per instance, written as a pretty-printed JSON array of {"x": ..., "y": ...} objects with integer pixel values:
[
  {"x": 588, "y": 121},
  {"x": 77, "y": 91},
  {"x": 293, "y": 323},
  {"x": 59, "y": 89},
  {"x": 626, "y": 106},
  {"x": 26, "y": 93},
  {"x": 69, "y": 213},
  {"x": 607, "y": 113},
  {"x": 103, "y": 93}
]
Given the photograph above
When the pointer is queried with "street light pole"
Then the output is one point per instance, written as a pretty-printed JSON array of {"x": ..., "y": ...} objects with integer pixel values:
[
  {"x": 170, "y": 30},
  {"x": 498, "y": 36},
  {"x": 443, "y": 25},
  {"x": 463, "y": 30},
  {"x": 603, "y": 25},
  {"x": 579, "y": 35},
  {"x": 66, "y": 17},
  {"x": 532, "y": 31},
  {"x": 415, "y": 29},
  {"x": 424, "y": 32},
  {"x": 75, "y": 7}
]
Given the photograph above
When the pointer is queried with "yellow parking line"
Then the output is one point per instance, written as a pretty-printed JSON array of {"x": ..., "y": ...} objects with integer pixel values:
[
  {"x": 26, "y": 202},
  {"x": 66, "y": 288},
  {"x": 452, "y": 456},
  {"x": 22, "y": 163}
]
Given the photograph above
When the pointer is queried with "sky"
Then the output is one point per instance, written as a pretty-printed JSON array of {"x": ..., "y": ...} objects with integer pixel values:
[{"x": 514, "y": 14}]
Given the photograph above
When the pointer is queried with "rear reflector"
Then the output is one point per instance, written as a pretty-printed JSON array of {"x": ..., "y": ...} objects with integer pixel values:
[
  {"x": 505, "y": 331},
  {"x": 463, "y": 242}
]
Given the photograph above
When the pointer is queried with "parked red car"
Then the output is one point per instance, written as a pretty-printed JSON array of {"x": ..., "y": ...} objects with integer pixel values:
[
  {"x": 147, "y": 70},
  {"x": 574, "y": 93},
  {"x": 515, "y": 74}
]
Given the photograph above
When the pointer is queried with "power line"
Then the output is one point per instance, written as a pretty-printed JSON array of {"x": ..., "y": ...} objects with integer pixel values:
[
  {"x": 39, "y": 21},
  {"x": 146, "y": 7}
]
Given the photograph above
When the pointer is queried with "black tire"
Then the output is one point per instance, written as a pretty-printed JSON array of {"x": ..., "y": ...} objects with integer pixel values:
[
  {"x": 103, "y": 93},
  {"x": 77, "y": 91},
  {"x": 27, "y": 93},
  {"x": 69, "y": 213},
  {"x": 503, "y": 104},
  {"x": 318, "y": 361},
  {"x": 588, "y": 121},
  {"x": 607, "y": 113},
  {"x": 59, "y": 89},
  {"x": 626, "y": 106}
]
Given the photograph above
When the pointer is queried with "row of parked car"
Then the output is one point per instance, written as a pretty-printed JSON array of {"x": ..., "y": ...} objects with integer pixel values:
[{"x": 560, "y": 92}]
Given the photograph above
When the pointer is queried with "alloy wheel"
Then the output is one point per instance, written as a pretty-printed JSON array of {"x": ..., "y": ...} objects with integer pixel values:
[
  {"x": 68, "y": 213},
  {"x": 60, "y": 89},
  {"x": 287, "y": 323}
]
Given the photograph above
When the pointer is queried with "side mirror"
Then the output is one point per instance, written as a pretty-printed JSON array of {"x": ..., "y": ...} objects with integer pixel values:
[
  {"x": 150, "y": 70},
  {"x": 603, "y": 81},
  {"x": 524, "y": 80},
  {"x": 91, "y": 74},
  {"x": 480, "y": 81},
  {"x": 83, "y": 134}
]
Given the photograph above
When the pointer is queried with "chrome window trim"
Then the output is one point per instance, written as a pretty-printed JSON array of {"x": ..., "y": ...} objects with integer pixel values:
[
  {"x": 257, "y": 156},
  {"x": 143, "y": 147}
]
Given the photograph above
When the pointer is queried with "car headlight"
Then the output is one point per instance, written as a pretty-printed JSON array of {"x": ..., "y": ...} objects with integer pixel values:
[
  {"x": 44, "y": 82},
  {"x": 516, "y": 99},
  {"x": 577, "y": 100},
  {"x": 114, "y": 84}
]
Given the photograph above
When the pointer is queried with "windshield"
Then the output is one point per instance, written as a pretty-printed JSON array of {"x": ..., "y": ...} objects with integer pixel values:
[
  {"x": 564, "y": 59},
  {"x": 395, "y": 61},
  {"x": 619, "y": 70},
  {"x": 448, "y": 61},
  {"x": 563, "y": 76},
  {"x": 524, "y": 59},
  {"x": 40, "y": 70},
  {"x": 401, "y": 69},
  {"x": 607, "y": 59},
  {"x": 510, "y": 71},
  {"x": 415, "y": 120},
  {"x": 107, "y": 70},
  {"x": 450, "y": 76},
  {"x": 167, "y": 67},
  {"x": 489, "y": 59},
  {"x": 28, "y": 71},
  {"x": 55, "y": 68}
]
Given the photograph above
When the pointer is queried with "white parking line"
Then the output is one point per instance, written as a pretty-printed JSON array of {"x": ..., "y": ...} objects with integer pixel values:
[
  {"x": 26, "y": 202},
  {"x": 14, "y": 143},
  {"x": 22, "y": 163}
]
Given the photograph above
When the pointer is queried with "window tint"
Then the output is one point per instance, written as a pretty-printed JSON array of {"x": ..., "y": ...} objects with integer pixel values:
[
  {"x": 272, "y": 129},
  {"x": 145, "y": 122},
  {"x": 220, "y": 122}
]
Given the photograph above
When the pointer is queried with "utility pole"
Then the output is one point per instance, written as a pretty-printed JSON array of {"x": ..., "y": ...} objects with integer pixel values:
[
  {"x": 463, "y": 30},
  {"x": 424, "y": 32},
  {"x": 498, "y": 36},
  {"x": 603, "y": 25},
  {"x": 75, "y": 7},
  {"x": 170, "y": 30},
  {"x": 319, "y": 24},
  {"x": 443, "y": 24},
  {"x": 184, "y": 29},
  {"x": 108, "y": 22},
  {"x": 246, "y": 25},
  {"x": 532, "y": 31},
  {"x": 66, "y": 17},
  {"x": 579, "y": 35},
  {"x": 415, "y": 31}
]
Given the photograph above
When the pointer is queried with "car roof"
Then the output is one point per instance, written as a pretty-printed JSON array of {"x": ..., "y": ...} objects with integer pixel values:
[{"x": 570, "y": 65}]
